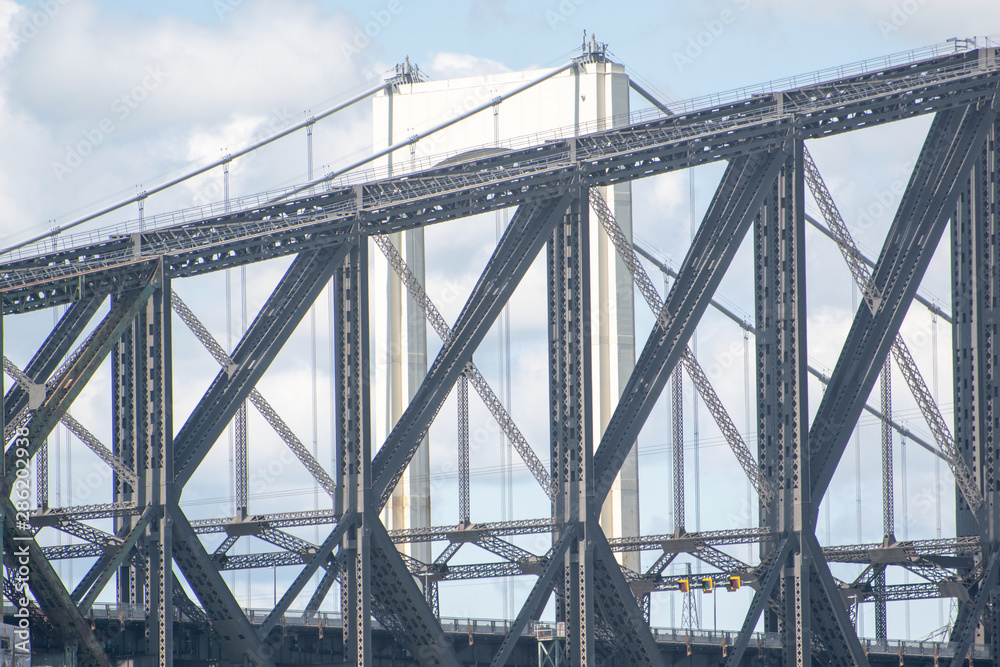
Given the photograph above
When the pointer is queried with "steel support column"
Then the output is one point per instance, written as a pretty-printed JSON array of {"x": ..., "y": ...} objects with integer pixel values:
[
  {"x": 152, "y": 336},
  {"x": 975, "y": 242},
  {"x": 782, "y": 405},
  {"x": 571, "y": 419},
  {"x": 354, "y": 450}
]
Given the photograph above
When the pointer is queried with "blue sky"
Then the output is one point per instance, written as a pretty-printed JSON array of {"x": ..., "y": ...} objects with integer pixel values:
[{"x": 99, "y": 100}]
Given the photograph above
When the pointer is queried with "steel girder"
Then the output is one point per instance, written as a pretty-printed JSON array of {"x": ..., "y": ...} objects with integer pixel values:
[
  {"x": 779, "y": 290},
  {"x": 698, "y": 137}
]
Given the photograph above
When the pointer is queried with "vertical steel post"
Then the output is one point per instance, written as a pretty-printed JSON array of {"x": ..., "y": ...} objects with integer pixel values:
[
  {"x": 677, "y": 433},
  {"x": 568, "y": 259},
  {"x": 464, "y": 510},
  {"x": 888, "y": 497},
  {"x": 976, "y": 334},
  {"x": 144, "y": 426},
  {"x": 779, "y": 268},
  {"x": 126, "y": 430},
  {"x": 354, "y": 450}
]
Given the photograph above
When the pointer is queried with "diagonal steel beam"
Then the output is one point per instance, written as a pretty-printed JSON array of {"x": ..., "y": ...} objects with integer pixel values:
[
  {"x": 333, "y": 570},
  {"x": 21, "y": 548},
  {"x": 76, "y": 428},
  {"x": 691, "y": 365},
  {"x": 619, "y": 607},
  {"x": 749, "y": 328},
  {"x": 321, "y": 556},
  {"x": 288, "y": 303},
  {"x": 954, "y": 138},
  {"x": 104, "y": 569},
  {"x": 489, "y": 398},
  {"x": 537, "y": 598},
  {"x": 85, "y": 362},
  {"x": 830, "y": 615},
  {"x": 729, "y": 216},
  {"x": 527, "y": 233},
  {"x": 237, "y": 637},
  {"x": 900, "y": 352},
  {"x": 772, "y": 570},
  {"x": 402, "y": 606},
  {"x": 258, "y": 400},
  {"x": 965, "y": 632},
  {"x": 55, "y": 347}
]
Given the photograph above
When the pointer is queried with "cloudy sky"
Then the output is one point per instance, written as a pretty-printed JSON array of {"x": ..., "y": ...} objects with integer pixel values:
[{"x": 100, "y": 100}]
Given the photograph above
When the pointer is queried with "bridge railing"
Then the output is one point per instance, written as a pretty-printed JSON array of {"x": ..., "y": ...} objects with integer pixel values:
[{"x": 547, "y": 630}]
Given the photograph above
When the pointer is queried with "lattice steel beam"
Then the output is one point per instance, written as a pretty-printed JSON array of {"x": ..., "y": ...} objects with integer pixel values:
[
  {"x": 900, "y": 352},
  {"x": 694, "y": 370},
  {"x": 570, "y": 417}
]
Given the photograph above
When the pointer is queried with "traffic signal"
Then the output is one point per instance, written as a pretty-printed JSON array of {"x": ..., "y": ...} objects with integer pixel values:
[
  {"x": 685, "y": 586},
  {"x": 734, "y": 583},
  {"x": 707, "y": 584}
]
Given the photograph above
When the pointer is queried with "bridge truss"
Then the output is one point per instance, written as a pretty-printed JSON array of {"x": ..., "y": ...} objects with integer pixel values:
[{"x": 605, "y": 607}]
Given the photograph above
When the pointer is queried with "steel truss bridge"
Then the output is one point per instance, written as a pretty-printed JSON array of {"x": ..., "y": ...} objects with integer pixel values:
[{"x": 762, "y": 137}]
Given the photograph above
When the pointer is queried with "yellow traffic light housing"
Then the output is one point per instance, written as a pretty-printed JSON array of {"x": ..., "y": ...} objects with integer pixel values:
[
  {"x": 734, "y": 583},
  {"x": 707, "y": 585},
  {"x": 685, "y": 586}
]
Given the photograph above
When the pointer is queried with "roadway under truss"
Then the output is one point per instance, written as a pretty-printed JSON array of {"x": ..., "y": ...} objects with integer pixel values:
[{"x": 605, "y": 607}]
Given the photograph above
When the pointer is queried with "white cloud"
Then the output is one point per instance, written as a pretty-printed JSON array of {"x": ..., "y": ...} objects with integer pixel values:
[
  {"x": 447, "y": 65},
  {"x": 94, "y": 105}
]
